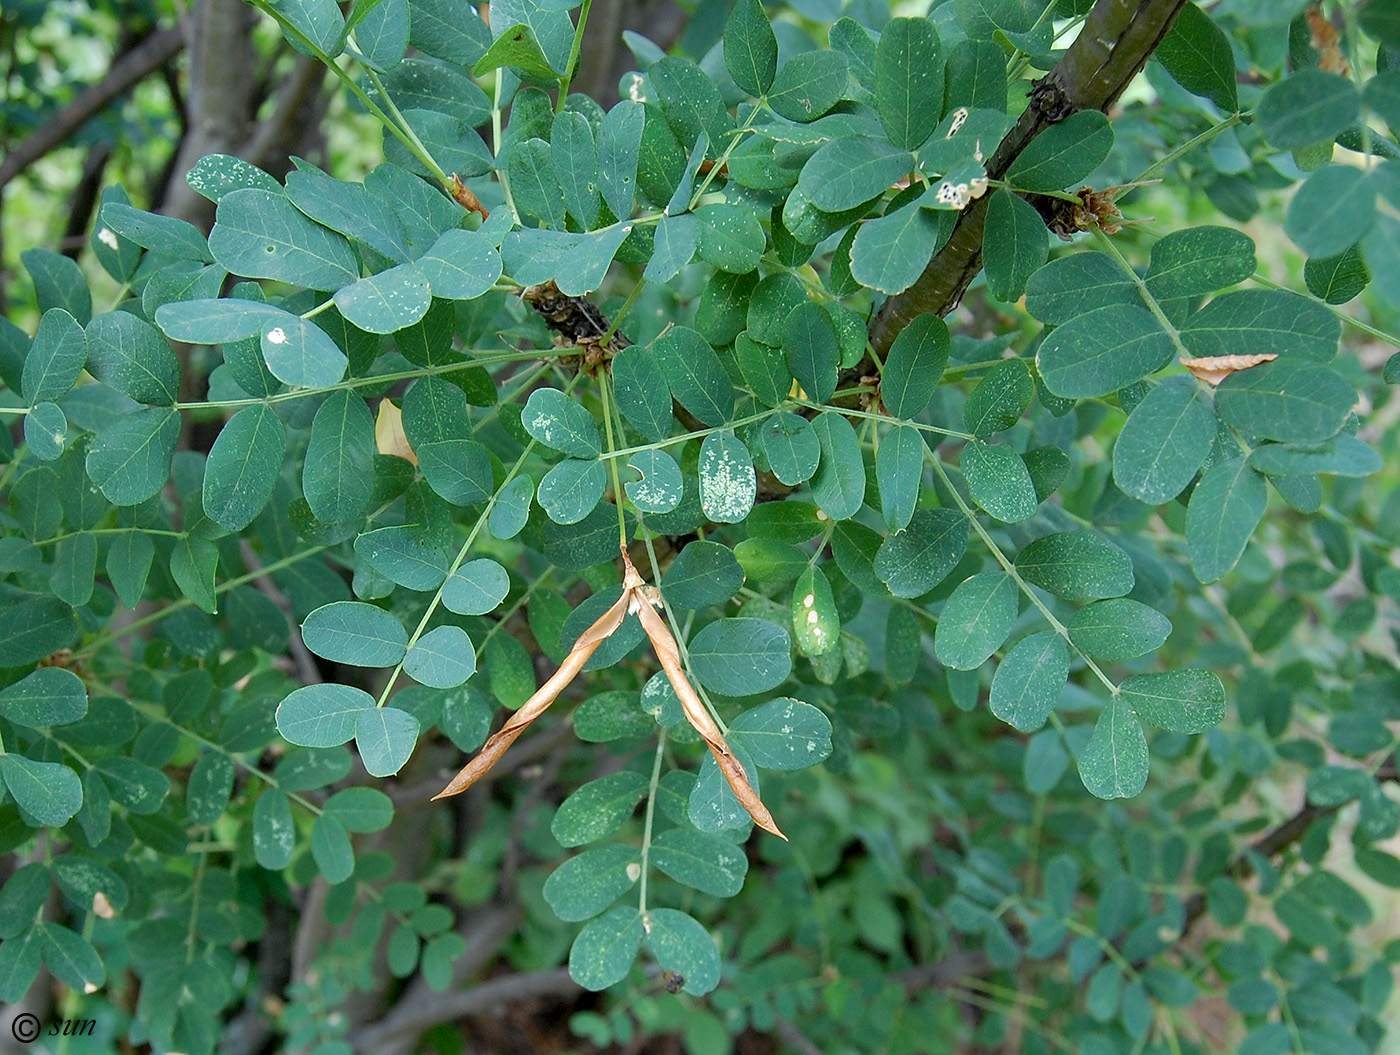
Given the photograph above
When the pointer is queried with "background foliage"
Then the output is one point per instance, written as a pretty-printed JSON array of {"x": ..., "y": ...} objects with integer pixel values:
[{"x": 1067, "y": 671}]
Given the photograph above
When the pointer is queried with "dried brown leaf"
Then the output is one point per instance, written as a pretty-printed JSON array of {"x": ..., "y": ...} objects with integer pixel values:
[{"x": 1212, "y": 369}]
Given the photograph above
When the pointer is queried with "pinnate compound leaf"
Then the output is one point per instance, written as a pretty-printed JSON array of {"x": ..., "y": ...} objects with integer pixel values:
[
  {"x": 386, "y": 737},
  {"x": 784, "y": 734},
  {"x": 1113, "y": 764},
  {"x": 681, "y": 945},
  {"x": 353, "y": 632},
  {"x": 322, "y": 715},
  {"x": 1180, "y": 701},
  {"x": 603, "y": 952},
  {"x": 584, "y": 885},
  {"x": 976, "y": 620},
  {"x": 1029, "y": 679}
]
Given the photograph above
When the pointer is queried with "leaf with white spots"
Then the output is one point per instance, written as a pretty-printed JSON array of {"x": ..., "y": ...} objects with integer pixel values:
[
  {"x": 815, "y": 625},
  {"x": 784, "y": 734},
  {"x": 728, "y": 485}
]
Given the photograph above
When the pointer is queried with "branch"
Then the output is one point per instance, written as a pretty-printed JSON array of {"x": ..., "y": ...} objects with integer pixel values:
[
  {"x": 147, "y": 57},
  {"x": 411, "y": 1017},
  {"x": 1108, "y": 53}
]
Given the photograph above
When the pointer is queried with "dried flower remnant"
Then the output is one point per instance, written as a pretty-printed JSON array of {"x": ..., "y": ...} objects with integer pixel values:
[{"x": 465, "y": 198}]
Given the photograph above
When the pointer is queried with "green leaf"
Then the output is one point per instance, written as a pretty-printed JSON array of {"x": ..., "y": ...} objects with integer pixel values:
[
  {"x": 70, "y": 958},
  {"x": 661, "y": 486},
  {"x": 356, "y": 633},
  {"x": 476, "y": 588},
  {"x": 705, "y": 862},
  {"x": 323, "y": 715},
  {"x": 1113, "y": 764},
  {"x": 518, "y": 49},
  {"x": 243, "y": 467},
  {"x": 839, "y": 484},
  {"x": 1333, "y": 209},
  {"x": 331, "y": 849},
  {"x": 913, "y": 561},
  {"x": 572, "y": 489},
  {"x": 193, "y": 564},
  {"x": 575, "y": 157},
  {"x": 909, "y": 80},
  {"x": 1165, "y": 440},
  {"x": 1306, "y": 108},
  {"x": 889, "y": 254},
  {"x": 46, "y": 697},
  {"x": 584, "y": 885},
  {"x": 1118, "y": 629},
  {"x": 681, "y": 945},
  {"x": 55, "y": 358},
  {"x": 166, "y": 235},
  {"x": 768, "y": 560},
  {"x": 46, "y": 431},
  {"x": 337, "y": 477},
  {"x": 460, "y": 265},
  {"x": 381, "y": 30},
  {"x": 511, "y": 510},
  {"x": 560, "y": 423},
  {"x": 274, "y": 833},
  {"x": 583, "y": 267},
  {"x": 361, "y": 809},
  {"x": 1179, "y": 701},
  {"x": 442, "y": 658},
  {"x": 1343, "y": 455},
  {"x": 1072, "y": 285},
  {"x": 703, "y": 573},
  {"x": 691, "y": 102},
  {"x": 815, "y": 624},
  {"x": 385, "y": 737},
  {"x": 260, "y": 234},
  {"x": 1014, "y": 244},
  {"x": 401, "y": 556},
  {"x": 727, "y": 481},
  {"x": 534, "y": 185},
  {"x": 47, "y": 791},
  {"x": 610, "y": 716},
  {"x": 1197, "y": 54},
  {"x": 23, "y": 898},
  {"x": 386, "y": 302},
  {"x": 1102, "y": 351},
  {"x": 976, "y": 620},
  {"x": 302, "y": 354},
  {"x": 999, "y": 481},
  {"x": 813, "y": 350},
  {"x": 914, "y": 366},
  {"x": 809, "y": 84},
  {"x": 729, "y": 237},
  {"x": 695, "y": 376},
  {"x": 19, "y": 964},
  {"x": 712, "y": 806},
  {"x": 58, "y": 283},
  {"x": 215, "y": 176},
  {"x": 75, "y": 560},
  {"x": 130, "y": 461},
  {"x": 1077, "y": 566},
  {"x": 209, "y": 788},
  {"x": 643, "y": 396},
  {"x": 846, "y": 173},
  {"x": 130, "y": 355},
  {"x": 603, "y": 952},
  {"x": 1199, "y": 260},
  {"x": 619, "y": 145},
  {"x": 784, "y": 734},
  {"x": 791, "y": 447},
  {"x": 1294, "y": 400},
  {"x": 1029, "y": 680},
  {"x": 218, "y": 321},
  {"x": 1337, "y": 279},
  {"x": 1064, "y": 154},
  {"x": 1225, "y": 508},
  {"x": 673, "y": 247},
  {"x": 999, "y": 399},
  {"x": 436, "y": 424},
  {"x": 899, "y": 470},
  {"x": 598, "y": 808},
  {"x": 740, "y": 657},
  {"x": 750, "y": 48}
]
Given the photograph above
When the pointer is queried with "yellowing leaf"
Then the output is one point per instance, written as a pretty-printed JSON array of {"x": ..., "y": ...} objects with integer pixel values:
[{"x": 389, "y": 436}]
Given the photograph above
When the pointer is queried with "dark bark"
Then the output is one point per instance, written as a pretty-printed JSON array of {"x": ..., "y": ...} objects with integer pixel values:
[
  {"x": 1110, "y": 50},
  {"x": 84, "y": 199}
]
